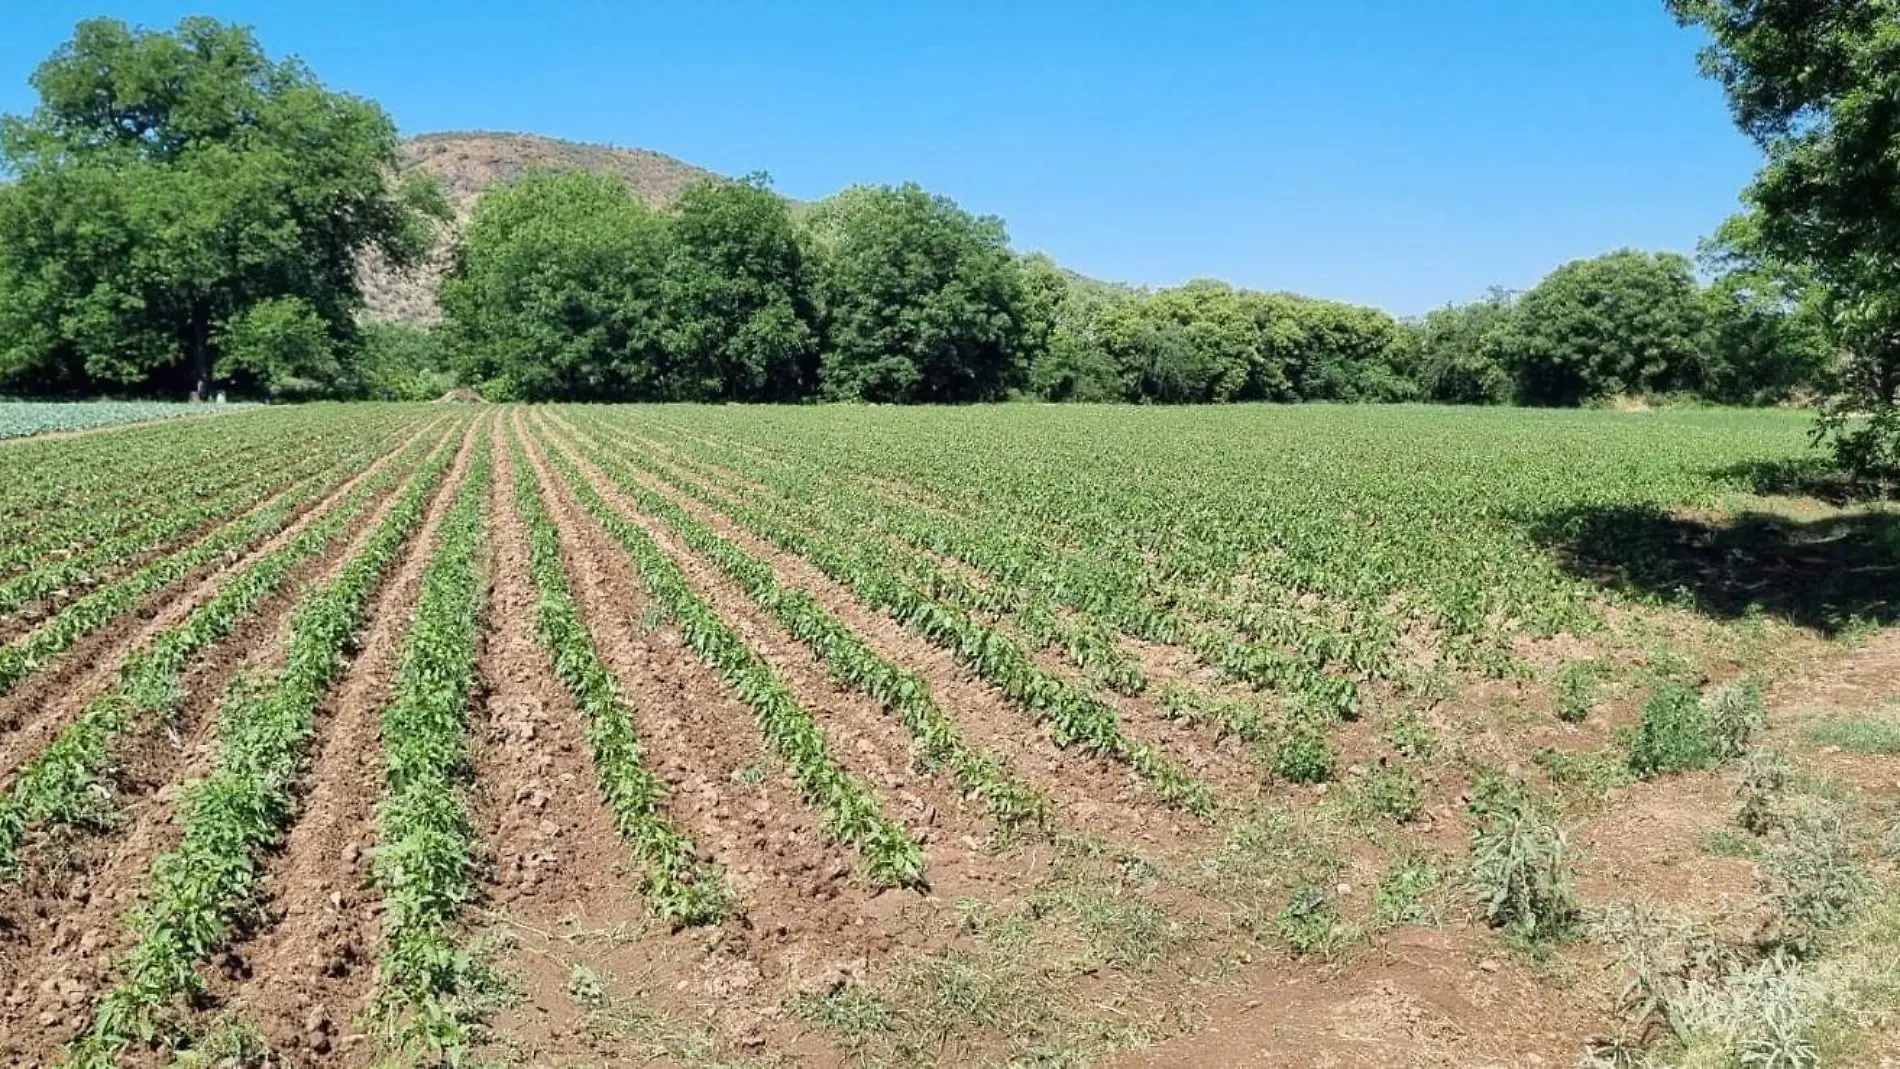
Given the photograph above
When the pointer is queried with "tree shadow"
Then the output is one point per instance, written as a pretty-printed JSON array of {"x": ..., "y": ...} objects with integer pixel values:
[
  {"x": 1827, "y": 574},
  {"x": 1807, "y": 476}
]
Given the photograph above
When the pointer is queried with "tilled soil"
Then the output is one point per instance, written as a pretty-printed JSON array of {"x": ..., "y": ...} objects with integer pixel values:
[
  {"x": 64, "y": 927},
  {"x": 306, "y": 976}
]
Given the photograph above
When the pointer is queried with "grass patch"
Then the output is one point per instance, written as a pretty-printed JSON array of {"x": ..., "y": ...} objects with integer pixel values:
[{"x": 1862, "y": 735}]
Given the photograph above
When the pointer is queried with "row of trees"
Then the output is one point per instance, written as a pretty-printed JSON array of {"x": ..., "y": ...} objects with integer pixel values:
[
  {"x": 188, "y": 214},
  {"x": 566, "y": 286}
]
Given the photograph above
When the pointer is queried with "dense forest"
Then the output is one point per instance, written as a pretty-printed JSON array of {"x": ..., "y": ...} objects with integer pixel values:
[{"x": 187, "y": 214}]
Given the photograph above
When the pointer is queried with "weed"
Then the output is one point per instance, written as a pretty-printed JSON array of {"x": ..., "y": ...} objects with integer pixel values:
[
  {"x": 1597, "y": 772},
  {"x": 1399, "y": 898},
  {"x": 1309, "y": 922},
  {"x": 1683, "y": 730},
  {"x": 1577, "y": 689},
  {"x": 1411, "y": 735},
  {"x": 1862, "y": 735},
  {"x": 1388, "y": 791},
  {"x": 1303, "y": 755},
  {"x": 1813, "y": 878},
  {"x": 1520, "y": 875},
  {"x": 1758, "y": 791}
]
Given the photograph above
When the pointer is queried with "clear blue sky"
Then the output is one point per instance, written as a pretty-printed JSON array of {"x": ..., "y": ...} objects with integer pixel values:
[{"x": 1395, "y": 152}]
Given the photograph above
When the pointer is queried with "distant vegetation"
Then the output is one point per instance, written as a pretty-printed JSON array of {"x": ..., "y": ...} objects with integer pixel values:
[{"x": 153, "y": 246}]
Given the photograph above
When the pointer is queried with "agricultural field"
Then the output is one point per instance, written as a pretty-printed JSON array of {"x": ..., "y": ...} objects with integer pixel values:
[
  {"x": 571, "y": 735},
  {"x": 21, "y": 419}
]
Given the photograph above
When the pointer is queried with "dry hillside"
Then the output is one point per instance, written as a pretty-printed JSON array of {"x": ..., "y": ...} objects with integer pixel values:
[{"x": 468, "y": 163}]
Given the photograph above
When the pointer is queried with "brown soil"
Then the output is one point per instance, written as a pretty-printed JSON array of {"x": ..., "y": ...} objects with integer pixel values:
[
  {"x": 305, "y": 977},
  {"x": 1425, "y": 998},
  {"x": 807, "y": 921},
  {"x": 44, "y": 704},
  {"x": 64, "y": 927},
  {"x": 1095, "y": 795}
]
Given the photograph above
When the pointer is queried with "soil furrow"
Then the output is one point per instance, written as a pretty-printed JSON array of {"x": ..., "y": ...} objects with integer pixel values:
[
  {"x": 807, "y": 920},
  {"x": 1094, "y": 795},
  {"x": 306, "y": 975},
  {"x": 65, "y": 927},
  {"x": 35, "y": 722}
]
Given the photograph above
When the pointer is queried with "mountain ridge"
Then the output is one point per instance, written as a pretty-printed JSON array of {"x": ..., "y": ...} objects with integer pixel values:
[{"x": 469, "y": 162}]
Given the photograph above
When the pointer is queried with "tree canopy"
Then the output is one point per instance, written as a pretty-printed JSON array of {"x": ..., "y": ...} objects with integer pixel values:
[
  {"x": 556, "y": 292},
  {"x": 921, "y": 301},
  {"x": 1816, "y": 83},
  {"x": 179, "y": 193}
]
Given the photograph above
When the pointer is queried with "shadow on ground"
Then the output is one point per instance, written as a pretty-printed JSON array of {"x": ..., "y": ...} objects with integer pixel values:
[{"x": 1823, "y": 574}]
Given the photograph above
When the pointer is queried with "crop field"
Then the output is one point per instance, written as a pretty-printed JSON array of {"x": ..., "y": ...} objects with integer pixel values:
[
  {"x": 20, "y": 419},
  {"x": 587, "y": 735}
]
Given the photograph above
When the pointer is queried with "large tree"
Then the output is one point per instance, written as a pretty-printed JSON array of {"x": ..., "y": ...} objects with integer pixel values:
[
  {"x": 175, "y": 189},
  {"x": 1816, "y": 83},
  {"x": 737, "y": 298},
  {"x": 1626, "y": 322},
  {"x": 556, "y": 292},
  {"x": 922, "y": 301}
]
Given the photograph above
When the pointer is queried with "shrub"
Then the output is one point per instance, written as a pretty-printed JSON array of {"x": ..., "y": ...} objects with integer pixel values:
[
  {"x": 1681, "y": 730},
  {"x": 1519, "y": 873}
]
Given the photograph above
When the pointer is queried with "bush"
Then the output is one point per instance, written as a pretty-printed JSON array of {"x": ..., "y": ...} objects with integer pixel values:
[
  {"x": 1519, "y": 873},
  {"x": 1681, "y": 730}
]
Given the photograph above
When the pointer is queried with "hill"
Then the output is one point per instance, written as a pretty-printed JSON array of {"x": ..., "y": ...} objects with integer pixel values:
[{"x": 469, "y": 162}]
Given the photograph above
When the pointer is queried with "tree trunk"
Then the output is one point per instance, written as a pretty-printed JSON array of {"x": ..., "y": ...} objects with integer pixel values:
[{"x": 200, "y": 357}]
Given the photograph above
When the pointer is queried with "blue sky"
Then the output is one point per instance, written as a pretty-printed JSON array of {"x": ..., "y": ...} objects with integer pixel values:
[{"x": 1394, "y": 152}]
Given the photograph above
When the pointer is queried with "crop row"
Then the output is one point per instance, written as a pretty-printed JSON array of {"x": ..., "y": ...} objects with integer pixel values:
[
  {"x": 903, "y": 694},
  {"x": 46, "y": 484},
  {"x": 850, "y": 813},
  {"x": 868, "y": 568},
  {"x": 163, "y": 526},
  {"x": 1262, "y": 646},
  {"x": 677, "y": 886},
  {"x": 100, "y": 518},
  {"x": 200, "y": 890},
  {"x": 423, "y": 864},
  {"x": 62, "y": 784}
]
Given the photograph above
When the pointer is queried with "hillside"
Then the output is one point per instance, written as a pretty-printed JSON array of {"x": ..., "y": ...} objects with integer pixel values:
[{"x": 466, "y": 163}]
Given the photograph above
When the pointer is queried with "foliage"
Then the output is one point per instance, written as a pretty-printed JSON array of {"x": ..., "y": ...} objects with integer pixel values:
[
  {"x": 61, "y": 784},
  {"x": 736, "y": 298},
  {"x": 398, "y": 362},
  {"x": 851, "y": 812},
  {"x": 556, "y": 291},
  {"x": 1682, "y": 729},
  {"x": 679, "y": 887},
  {"x": 19, "y": 419},
  {"x": 1460, "y": 357},
  {"x": 429, "y": 983},
  {"x": 1814, "y": 83},
  {"x": 1577, "y": 689},
  {"x": 278, "y": 347},
  {"x": 198, "y": 890},
  {"x": 168, "y": 184},
  {"x": 1626, "y": 322},
  {"x": 1521, "y": 875},
  {"x": 921, "y": 301}
]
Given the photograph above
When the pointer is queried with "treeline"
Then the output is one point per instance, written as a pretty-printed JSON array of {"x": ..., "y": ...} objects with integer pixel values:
[
  {"x": 567, "y": 287},
  {"x": 189, "y": 215}
]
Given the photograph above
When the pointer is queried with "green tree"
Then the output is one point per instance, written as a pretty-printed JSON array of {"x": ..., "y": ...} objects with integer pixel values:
[
  {"x": 1768, "y": 336},
  {"x": 736, "y": 301},
  {"x": 556, "y": 291},
  {"x": 921, "y": 301},
  {"x": 1816, "y": 83},
  {"x": 279, "y": 347},
  {"x": 171, "y": 183},
  {"x": 1626, "y": 322},
  {"x": 1459, "y": 359}
]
